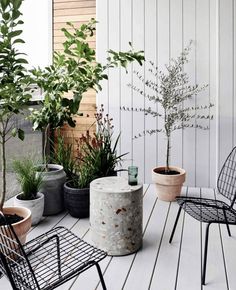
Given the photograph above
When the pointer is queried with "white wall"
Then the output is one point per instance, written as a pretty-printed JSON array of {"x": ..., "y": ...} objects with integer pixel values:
[
  {"x": 162, "y": 28},
  {"x": 37, "y": 31}
]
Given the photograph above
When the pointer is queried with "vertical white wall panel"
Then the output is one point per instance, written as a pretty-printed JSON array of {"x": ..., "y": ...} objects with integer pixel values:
[
  {"x": 138, "y": 33},
  {"x": 151, "y": 55},
  {"x": 176, "y": 45},
  {"x": 225, "y": 79},
  {"x": 126, "y": 93},
  {"x": 202, "y": 78},
  {"x": 162, "y": 28},
  {"x": 189, "y": 135}
]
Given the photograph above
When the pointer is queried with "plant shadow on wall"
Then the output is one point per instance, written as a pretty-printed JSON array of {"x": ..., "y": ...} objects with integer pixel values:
[{"x": 170, "y": 92}]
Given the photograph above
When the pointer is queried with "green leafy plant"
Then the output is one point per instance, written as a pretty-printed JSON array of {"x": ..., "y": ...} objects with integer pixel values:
[
  {"x": 14, "y": 79},
  {"x": 171, "y": 91},
  {"x": 74, "y": 70},
  {"x": 28, "y": 177},
  {"x": 63, "y": 155},
  {"x": 98, "y": 151}
]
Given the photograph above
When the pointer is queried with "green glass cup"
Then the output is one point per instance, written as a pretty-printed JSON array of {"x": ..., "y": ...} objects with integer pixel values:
[{"x": 133, "y": 175}]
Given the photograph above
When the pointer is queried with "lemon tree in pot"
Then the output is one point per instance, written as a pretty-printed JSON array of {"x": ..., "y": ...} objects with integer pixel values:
[
  {"x": 30, "y": 181},
  {"x": 14, "y": 96},
  {"x": 73, "y": 71},
  {"x": 171, "y": 91}
]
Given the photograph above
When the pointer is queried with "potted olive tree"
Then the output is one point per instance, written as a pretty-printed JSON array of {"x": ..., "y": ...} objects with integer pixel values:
[
  {"x": 14, "y": 95},
  {"x": 170, "y": 91},
  {"x": 74, "y": 70},
  {"x": 30, "y": 181}
]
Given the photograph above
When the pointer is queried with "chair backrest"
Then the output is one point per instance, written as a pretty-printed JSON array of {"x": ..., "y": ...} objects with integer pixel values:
[
  {"x": 13, "y": 260},
  {"x": 226, "y": 183}
]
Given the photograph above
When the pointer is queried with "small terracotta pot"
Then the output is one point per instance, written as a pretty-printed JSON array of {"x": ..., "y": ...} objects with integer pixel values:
[
  {"x": 168, "y": 187},
  {"x": 22, "y": 227}
]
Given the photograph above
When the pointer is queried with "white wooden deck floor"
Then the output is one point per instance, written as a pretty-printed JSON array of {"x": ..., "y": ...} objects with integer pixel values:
[{"x": 158, "y": 265}]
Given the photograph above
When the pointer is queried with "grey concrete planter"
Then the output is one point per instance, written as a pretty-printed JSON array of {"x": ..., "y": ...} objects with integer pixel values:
[
  {"x": 52, "y": 188},
  {"x": 36, "y": 206},
  {"x": 76, "y": 200}
]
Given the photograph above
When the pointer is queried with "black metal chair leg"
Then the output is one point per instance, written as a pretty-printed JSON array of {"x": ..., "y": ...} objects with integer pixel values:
[
  {"x": 175, "y": 224},
  {"x": 101, "y": 277},
  {"x": 205, "y": 255},
  {"x": 226, "y": 222}
]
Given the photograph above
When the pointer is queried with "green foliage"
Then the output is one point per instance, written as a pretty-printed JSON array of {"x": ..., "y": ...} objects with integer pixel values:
[
  {"x": 14, "y": 80},
  {"x": 171, "y": 90},
  {"x": 74, "y": 70},
  {"x": 63, "y": 155},
  {"x": 97, "y": 152},
  {"x": 28, "y": 177}
]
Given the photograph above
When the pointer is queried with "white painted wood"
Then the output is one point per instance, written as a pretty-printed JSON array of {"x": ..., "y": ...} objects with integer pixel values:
[
  {"x": 213, "y": 80},
  {"x": 168, "y": 255},
  {"x": 138, "y": 36},
  {"x": 163, "y": 28},
  {"x": 189, "y": 136},
  {"x": 226, "y": 118},
  {"x": 176, "y": 46},
  {"x": 202, "y": 78},
  {"x": 215, "y": 274},
  {"x": 145, "y": 259},
  {"x": 150, "y": 149},
  {"x": 102, "y": 39},
  {"x": 114, "y": 73},
  {"x": 189, "y": 271},
  {"x": 126, "y": 92},
  {"x": 163, "y": 55},
  {"x": 158, "y": 265}
]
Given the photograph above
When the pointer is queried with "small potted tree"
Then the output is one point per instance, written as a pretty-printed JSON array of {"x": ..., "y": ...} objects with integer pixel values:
[
  {"x": 30, "y": 181},
  {"x": 14, "y": 92},
  {"x": 74, "y": 70},
  {"x": 171, "y": 90}
]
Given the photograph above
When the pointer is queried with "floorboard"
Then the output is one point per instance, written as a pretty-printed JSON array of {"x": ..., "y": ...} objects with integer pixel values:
[{"x": 158, "y": 265}]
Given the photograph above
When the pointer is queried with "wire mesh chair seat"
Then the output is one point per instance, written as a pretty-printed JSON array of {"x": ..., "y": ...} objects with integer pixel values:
[
  {"x": 212, "y": 211},
  {"x": 208, "y": 210},
  {"x": 47, "y": 261}
]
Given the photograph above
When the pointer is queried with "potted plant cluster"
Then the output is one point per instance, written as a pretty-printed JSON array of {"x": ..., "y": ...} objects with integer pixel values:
[
  {"x": 96, "y": 157},
  {"x": 99, "y": 150},
  {"x": 170, "y": 91},
  {"x": 74, "y": 70},
  {"x": 30, "y": 181},
  {"x": 15, "y": 94}
]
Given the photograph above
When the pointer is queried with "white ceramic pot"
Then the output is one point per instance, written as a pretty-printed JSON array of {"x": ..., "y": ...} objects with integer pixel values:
[
  {"x": 36, "y": 206},
  {"x": 22, "y": 227},
  {"x": 168, "y": 187}
]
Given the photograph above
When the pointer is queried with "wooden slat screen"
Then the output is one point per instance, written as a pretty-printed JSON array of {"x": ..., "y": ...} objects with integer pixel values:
[{"x": 77, "y": 12}]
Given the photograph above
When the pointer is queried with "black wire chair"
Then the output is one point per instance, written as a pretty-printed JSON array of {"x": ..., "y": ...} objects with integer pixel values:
[
  {"x": 48, "y": 260},
  {"x": 213, "y": 211}
]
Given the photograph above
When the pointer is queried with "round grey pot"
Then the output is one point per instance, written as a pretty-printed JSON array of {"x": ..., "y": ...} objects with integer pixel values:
[
  {"x": 52, "y": 188},
  {"x": 76, "y": 201},
  {"x": 36, "y": 206}
]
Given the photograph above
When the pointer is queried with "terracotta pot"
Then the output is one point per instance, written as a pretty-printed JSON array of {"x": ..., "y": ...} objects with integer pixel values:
[
  {"x": 36, "y": 206},
  {"x": 168, "y": 187},
  {"x": 22, "y": 227}
]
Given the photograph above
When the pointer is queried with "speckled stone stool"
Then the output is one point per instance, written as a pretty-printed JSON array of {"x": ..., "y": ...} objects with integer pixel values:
[{"x": 116, "y": 215}]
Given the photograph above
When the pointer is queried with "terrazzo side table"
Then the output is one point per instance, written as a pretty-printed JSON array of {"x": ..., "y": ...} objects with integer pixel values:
[{"x": 116, "y": 215}]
